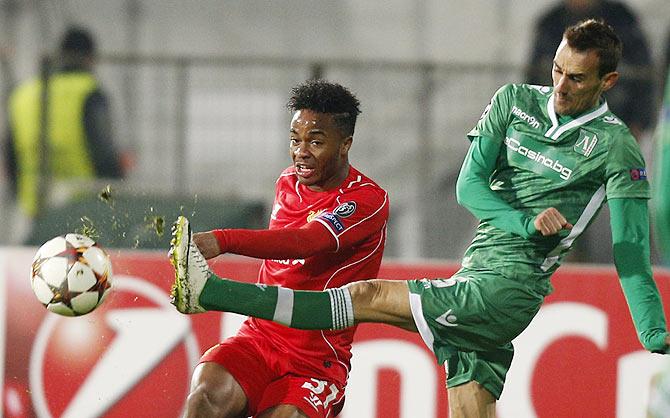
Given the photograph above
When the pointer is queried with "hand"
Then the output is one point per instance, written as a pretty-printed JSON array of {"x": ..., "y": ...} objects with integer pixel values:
[
  {"x": 550, "y": 222},
  {"x": 207, "y": 244}
]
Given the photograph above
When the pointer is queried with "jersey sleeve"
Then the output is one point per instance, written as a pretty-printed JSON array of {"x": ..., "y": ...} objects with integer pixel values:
[
  {"x": 625, "y": 171},
  {"x": 630, "y": 238},
  {"x": 474, "y": 193},
  {"x": 357, "y": 215},
  {"x": 494, "y": 120},
  {"x": 472, "y": 187}
]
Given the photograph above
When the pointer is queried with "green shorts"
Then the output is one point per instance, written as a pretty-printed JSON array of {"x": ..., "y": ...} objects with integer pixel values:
[{"x": 469, "y": 321}]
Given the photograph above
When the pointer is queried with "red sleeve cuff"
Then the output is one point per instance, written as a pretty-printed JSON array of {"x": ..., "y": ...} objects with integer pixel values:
[{"x": 220, "y": 236}]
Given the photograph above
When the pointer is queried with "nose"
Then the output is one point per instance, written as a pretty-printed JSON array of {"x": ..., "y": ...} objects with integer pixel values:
[
  {"x": 561, "y": 84},
  {"x": 300, "y": 150}
]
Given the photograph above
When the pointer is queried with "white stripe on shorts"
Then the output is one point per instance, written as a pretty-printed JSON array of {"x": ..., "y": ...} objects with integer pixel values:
[{"x": 420, "y": 321}]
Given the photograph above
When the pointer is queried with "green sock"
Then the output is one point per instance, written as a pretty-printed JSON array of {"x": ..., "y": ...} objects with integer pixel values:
[{"x": 302, "y": 309}]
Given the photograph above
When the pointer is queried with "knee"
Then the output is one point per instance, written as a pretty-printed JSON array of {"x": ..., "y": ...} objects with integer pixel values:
[
  {"x": 384, "y": 301},
  {"x": 208, "y": 400},
  {"x": 201, "y": 402},
  {"x": 365, "y": 293},
  {"x": 202, "y": 393}
]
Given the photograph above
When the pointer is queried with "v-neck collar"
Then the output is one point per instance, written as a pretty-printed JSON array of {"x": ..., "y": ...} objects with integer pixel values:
[{"x": 557, "y": 130}]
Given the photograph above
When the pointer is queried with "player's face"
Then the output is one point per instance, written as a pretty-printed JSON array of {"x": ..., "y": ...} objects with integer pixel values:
[
  {"x": 319, "y": 150},
  {"x": 577, "y": 85}
]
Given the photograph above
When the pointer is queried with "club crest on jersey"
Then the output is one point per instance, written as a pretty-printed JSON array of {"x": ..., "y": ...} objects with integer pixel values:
[
  {"x": 586, "y": 143},
  {"x": 345, "y": 209},
  {"x": 313, "y": 214},
  {"x": 638, "y": 174}
]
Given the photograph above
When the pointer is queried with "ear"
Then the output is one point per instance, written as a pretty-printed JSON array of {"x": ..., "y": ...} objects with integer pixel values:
[
  {"x": 346, "y": 145},
  {"x": 609, "y": 80}
]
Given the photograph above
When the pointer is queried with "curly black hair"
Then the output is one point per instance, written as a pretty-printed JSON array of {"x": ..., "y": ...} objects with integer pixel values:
[{"x": 326, "y": 97}]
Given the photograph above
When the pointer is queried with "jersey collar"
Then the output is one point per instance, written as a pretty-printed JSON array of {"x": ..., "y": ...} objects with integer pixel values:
[{"x": 557, "y": 130}]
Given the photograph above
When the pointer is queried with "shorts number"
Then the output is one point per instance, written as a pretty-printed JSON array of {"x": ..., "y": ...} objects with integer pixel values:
[{"x": 319, "y": 389}]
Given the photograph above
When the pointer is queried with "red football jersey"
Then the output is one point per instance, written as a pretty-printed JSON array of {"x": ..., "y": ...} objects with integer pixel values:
[{"x": 356, "y": 215}]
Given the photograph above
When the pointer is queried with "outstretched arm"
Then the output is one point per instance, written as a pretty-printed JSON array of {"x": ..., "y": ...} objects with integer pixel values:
[
  {"x": 284, "y": 243},
  {"x": 630, "y": 237}
]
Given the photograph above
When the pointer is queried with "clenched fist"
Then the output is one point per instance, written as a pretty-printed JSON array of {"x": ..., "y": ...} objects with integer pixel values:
[
  {"x": 207, "y": 244},
  {"x": 551, "y": 221}
]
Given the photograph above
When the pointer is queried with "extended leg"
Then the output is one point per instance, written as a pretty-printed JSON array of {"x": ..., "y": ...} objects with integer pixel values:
[
  {"x": 197, "y": 289},
  {"x": 471, "y": 400}
]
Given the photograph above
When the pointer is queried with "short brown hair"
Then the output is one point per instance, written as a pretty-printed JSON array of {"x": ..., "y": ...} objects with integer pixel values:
[{"x": 597, "y": 35}]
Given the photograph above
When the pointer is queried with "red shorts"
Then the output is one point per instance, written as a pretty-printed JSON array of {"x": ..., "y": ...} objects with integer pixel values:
[{"x": 265, "y": 376}]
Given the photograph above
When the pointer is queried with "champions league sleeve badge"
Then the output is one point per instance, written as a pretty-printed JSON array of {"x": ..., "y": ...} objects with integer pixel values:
[
  {"x": 638, "y": 174},
  {"x": 345, "y": 209}
]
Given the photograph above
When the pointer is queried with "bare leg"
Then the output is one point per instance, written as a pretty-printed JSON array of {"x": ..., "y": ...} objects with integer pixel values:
[
  {"x": 283, "y": 411},
  {"x": 471, "y": 400},
  {"x": 215, "y": 393},
  {"x": 385, "y": 301}
]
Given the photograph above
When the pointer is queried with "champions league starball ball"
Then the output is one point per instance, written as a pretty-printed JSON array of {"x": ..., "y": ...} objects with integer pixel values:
[{"x": 71, "y": 275}]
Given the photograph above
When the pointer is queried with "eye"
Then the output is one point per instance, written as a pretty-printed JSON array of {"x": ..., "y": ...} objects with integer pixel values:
[
  {"x": 315, "y": 142},
  {"x": 293, "y": 141}
]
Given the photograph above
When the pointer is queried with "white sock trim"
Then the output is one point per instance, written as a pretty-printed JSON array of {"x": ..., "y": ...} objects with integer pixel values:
[
  {"x": 341, "y": 307},
  {"x": 284, "y": 309}
]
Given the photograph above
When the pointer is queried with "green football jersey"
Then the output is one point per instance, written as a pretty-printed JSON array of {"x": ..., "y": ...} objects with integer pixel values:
[{"x": 571, "y": 163}]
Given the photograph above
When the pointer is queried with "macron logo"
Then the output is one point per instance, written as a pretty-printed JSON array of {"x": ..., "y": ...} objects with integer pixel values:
[{"x": 531, "y": 120}]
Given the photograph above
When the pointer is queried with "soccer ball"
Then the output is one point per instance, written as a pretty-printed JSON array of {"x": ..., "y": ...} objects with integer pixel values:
[{"x": 71, "y": 275}]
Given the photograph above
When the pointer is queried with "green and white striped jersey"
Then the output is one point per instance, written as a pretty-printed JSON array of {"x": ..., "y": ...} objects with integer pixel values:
[{"x": 571, "y": 163}]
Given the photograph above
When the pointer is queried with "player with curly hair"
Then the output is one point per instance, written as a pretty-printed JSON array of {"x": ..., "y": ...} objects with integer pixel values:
[{"x": 327, "y": 229}]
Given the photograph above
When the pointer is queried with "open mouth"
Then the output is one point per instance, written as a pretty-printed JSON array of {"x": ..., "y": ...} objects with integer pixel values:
[{"x": 303, "y": 170}]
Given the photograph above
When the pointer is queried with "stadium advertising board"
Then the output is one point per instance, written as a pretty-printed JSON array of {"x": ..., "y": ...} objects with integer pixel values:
[{"x": 133, "y": 356}]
